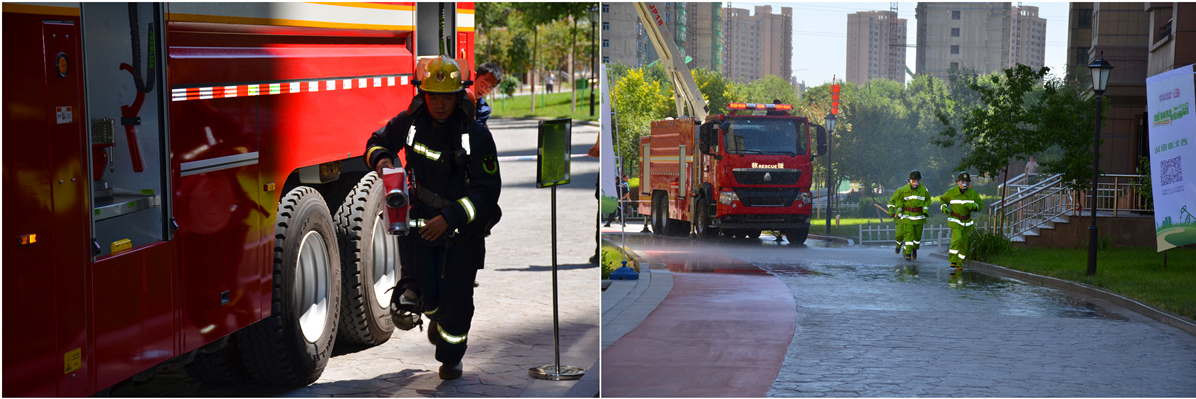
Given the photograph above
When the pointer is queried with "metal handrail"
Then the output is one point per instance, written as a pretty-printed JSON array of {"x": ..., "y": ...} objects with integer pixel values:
[{"x": 1041, "y": 203}]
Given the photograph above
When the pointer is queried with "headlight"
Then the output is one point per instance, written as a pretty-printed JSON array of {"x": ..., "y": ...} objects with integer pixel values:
[
  {"x": 805, "y": 197},
  {"x": 727, "y": 197}
]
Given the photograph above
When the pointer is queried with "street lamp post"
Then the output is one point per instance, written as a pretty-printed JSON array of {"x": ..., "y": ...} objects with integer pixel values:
[
  {"x": 1100, "y": 79},
  {"x": 830, "y": 128},
  {"x": 593, "y": 54}
]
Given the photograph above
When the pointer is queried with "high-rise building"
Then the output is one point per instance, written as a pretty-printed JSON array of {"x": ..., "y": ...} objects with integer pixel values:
[
  {"x": 694, "y": 27},
  {"x": 704, "y": 36},
  {"x": 985, "y": 37},
  {"x": 1027, "y": 41},
  {"x": 757, "y": 45},
  {"x": 869, "y": 35},
  {"x": 963, "y": 35}
]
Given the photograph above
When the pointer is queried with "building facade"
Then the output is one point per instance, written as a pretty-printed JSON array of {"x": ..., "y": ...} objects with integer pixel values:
[
  {"x": 1027, "y": 40},
  {"x": 757, "y": 44},
  {"x": 694, "y": 27},
  {"x": 870, "y": 38},
  {"x": 1121, "y": 33},
  {"x": 1172, "y": 36},
  {"x": 963, "y": 35}
]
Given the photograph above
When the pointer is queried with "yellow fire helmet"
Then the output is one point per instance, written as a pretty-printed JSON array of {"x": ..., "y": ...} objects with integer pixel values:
[{"x": 439, "y": 75}]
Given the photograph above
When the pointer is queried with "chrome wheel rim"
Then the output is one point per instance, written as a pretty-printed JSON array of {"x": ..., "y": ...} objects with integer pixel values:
[
  {"x": 385, "y": 257},
  {"x": 313, "y": 285}
]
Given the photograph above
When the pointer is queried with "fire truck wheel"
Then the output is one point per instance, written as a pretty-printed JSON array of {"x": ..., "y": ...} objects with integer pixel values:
[
  {"x": 369, "y": 259},
  {"x": 660, "y": 215},
  {"x": 797, "y": 236},
  {"x": 704, "y": 220},
  {"x": 293, "y": 344},
  {"x": 754, "y": 234}
]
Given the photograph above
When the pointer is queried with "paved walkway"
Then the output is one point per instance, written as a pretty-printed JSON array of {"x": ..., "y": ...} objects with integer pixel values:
[{"x": 712, "y": 335}]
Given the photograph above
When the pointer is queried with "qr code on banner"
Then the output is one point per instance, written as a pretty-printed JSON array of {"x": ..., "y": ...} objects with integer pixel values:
[{"x": 1170, "y": 171}]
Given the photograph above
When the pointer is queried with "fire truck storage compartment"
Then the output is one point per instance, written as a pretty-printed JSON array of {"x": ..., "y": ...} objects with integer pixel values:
[{"x": 128, "y": 209}]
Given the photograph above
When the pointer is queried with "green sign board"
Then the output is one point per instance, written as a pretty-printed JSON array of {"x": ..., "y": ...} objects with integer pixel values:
[{"x": 553, "y": 152}]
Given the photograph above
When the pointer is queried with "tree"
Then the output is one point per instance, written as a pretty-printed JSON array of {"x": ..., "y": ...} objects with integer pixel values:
[
  {"x": 717, "y": 90},
  {"x": 637, "y": 102},
  {"x": 769, "y": 88},
  {"x": 1019, "y": 116}
]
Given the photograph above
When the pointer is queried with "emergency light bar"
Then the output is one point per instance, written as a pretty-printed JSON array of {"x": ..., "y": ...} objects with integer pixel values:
[{"x": 782, "y": 107}]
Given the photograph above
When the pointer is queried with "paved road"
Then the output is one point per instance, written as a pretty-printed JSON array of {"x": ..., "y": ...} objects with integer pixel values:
[
  {"x": 870, "y": 324},
  {"x": 512, "y": 327}
]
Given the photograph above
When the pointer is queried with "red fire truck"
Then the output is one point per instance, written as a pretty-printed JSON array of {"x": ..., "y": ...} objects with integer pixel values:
[
  {"x": 184, "y": 185},
  {"x": 737, "y": 174}
]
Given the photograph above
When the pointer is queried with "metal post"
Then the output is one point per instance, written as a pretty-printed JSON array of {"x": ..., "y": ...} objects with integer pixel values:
[
  {"x": 828, "y": 180},
  {"x": 593, "y": 60},
  {"x": 1095, "y": 175},
  {"x": 555, "y": 371}
]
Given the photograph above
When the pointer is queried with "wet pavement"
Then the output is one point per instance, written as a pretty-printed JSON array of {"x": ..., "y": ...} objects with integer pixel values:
[{"x": 871, "y": 324}]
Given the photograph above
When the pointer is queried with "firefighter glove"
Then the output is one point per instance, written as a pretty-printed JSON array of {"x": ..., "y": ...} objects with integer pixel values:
[{"x": 944, "y": 208}]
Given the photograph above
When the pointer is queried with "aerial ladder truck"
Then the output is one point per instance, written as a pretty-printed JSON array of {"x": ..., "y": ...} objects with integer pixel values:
[{"x": 737, "y": 174}]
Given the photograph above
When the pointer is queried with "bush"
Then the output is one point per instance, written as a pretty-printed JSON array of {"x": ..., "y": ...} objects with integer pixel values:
[{"x": 985, "y": 245}]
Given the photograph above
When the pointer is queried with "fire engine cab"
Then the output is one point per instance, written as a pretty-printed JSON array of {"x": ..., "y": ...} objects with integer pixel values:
[{"x": 184, "y": 185}]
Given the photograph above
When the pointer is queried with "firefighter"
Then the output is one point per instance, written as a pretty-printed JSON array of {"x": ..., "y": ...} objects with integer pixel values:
[
  {"x": 958, "y": 204},
  {"x": 454, "y": 181},
  {"x": 910, "y": 204}
]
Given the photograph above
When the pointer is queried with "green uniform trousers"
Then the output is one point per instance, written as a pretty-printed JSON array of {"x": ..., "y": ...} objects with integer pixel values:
[
  {"x": 959, "y": 243},
  {"x": 910, "y": 235}
]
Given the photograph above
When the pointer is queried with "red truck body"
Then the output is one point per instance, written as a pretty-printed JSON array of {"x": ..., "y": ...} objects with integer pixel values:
[
  {"x": 731, "y": 189},
  {"x": 110, "y": 272}
]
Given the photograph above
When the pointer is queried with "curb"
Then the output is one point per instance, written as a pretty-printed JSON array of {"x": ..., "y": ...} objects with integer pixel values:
[
  {"x": 1082, "y": 289},
  {"x": 841, "y": 240}
]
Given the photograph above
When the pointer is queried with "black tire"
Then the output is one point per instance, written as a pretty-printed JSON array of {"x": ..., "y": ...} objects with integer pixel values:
[
  {"x": 276, "y": 349},
  {"x": 703, "y": 220},
  {"x": 660, "y": 214},
  {"x": 753, "y": 234},
  {"x": 797, "y": 236},
  {"x": 219, "y": 367},
  {"x": 369, "y": 259}
]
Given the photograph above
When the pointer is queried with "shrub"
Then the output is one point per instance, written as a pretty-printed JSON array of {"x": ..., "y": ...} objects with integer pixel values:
[{"x": 985, "y": 245}]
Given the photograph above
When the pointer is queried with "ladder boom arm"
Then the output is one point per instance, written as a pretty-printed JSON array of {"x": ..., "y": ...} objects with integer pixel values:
[{"x": 685, "y": 89}]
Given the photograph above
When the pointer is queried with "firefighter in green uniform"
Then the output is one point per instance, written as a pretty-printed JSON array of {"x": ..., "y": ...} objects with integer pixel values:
[
  {"x": 454, "y": 180},
  {"x": 958, "y": 204},
  {"x": 910, "y": 204}
]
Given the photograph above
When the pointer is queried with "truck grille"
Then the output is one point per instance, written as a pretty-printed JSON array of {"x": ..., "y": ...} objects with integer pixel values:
[
  {"x": 766, "y": 196},
  {"x": 767, "y": 176}
]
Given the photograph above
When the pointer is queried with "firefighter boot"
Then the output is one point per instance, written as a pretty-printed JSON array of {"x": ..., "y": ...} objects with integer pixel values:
[
  {"x": 915, "y": 254},
  {"x": 450, "y": 372},
  {"x": 907, "y": 257}
]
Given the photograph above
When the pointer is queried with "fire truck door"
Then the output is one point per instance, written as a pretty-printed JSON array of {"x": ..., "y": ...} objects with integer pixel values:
[
  {"x": 44, "y": 307},
  {"x": 132, "y": 282}
]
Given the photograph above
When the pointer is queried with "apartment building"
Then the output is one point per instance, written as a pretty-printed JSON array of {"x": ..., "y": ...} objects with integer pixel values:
[
  {"x": 870, "y": 38},
  {"x": 757, "y": 44}
]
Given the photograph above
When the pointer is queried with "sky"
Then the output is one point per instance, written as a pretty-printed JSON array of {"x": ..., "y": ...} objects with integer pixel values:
[{"x": 820, "y": 34}]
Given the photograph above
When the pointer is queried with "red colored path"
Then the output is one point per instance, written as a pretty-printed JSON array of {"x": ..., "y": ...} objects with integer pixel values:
[{"x": 714, "y": 335}]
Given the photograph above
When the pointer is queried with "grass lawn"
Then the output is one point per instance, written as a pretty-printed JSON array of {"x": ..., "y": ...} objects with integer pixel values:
[
  {"x": 612, "y": 258},
  {"x": 558, "y": 106},
  {"x": 1133, "y": 272}
]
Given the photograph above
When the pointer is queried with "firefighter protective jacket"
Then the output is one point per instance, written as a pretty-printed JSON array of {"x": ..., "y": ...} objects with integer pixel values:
[
  {"x": 912, "y": 205},
  {"x": 471, "y": 188},
  {"x": 959, "y": 206}
]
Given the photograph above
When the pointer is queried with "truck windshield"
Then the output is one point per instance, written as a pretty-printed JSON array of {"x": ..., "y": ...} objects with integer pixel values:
[{"x": 765, "y": 136}]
